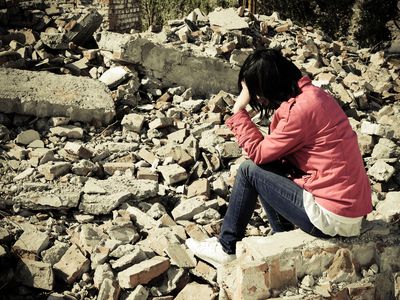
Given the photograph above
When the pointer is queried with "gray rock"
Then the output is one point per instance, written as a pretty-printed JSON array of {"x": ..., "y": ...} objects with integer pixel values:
[
  {"x": 35, "y": 274},
  {"x": 390, "y": 207},
  {"x": 381, "y": 171},
  {"x": 28, "y": 136},
  {"x": 54, "y": 254}
]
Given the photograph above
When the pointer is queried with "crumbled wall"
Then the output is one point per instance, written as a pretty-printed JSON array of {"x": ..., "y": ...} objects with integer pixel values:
[{"x": 119, "y": 15}]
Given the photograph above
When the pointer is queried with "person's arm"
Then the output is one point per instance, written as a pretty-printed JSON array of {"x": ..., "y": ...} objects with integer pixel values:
[
  {"x": 242, "y": 100},
  {"x": 287, "y": 137}
]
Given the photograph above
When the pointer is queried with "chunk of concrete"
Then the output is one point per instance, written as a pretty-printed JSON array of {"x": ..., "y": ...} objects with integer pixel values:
[
  {"x": 128, "y": 260},
  {"x": 161, "y": 123},
  {"x": 200, "y": 187},
  {"x": 27, "y": 136},
  {"x": 52, "y": 170},
  {"x": 72, "y": 265},
  {"x": 147, "y": 156},
  {"x": 227, "y": 19},
  {"x": 67, "y": 197},
  {"x": 205, "y": 271},
  {"x": 147, "y": 174},
  {"x": 173, "y": 173},
  {"x": 342, "y": 268},
  {"x": 112, "y": 167},
  {"x": 109, "y": 290},
  {"x": 114, "y": 76},
  {"x": 54, "y": 254},
  {"x": 139, "y": 293},
  {"x": 78, "y": 150},
  {"x": 102, "y": 273},
  {"x": 143, "y": 272},
  {"x": 133, "y": 122},
  {"x": 180, "y": 256},
  {"x": 142, "y": 219},
  {"x": 229, "y": 150},
  {"x": 102, "y": 204},
  {"x": 35, "y": 274},
  {"x": 69, "y": 131},
  {"x": 194, "y": 289},
  {"x": 381, "y": 171},
  {"x": 118, "y": 190},
  {"x": 390, "y": 207},
  {"x": 32, "y": 242},
  {"x": 45, "y": 94},
  {"x": 188, "y": 208},
  {"x": 176, "y": 66}
]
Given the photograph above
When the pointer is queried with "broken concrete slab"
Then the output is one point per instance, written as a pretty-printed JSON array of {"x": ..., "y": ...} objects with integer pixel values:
[
  {"x": 188, "y": 208},
  {"x": 193, "y": 290},
  {"x": 390, "y": 207},
  {"x": 35, "y": 274},
  {"x": 64, "y": 198},
  {"x": 103, "y": 204},
  {"x": 118, "y": 190},
  {"x": 128, "y": 260},
  {"x": 114, "y": 76},
  {"x": 31, "y": 242},
  {"x": 143, "y": 272},
  {"x": 173, "y": 173},
  {"x": 72, "y": 265},
  {"x": 228, "y": 19},
  {"x": 44, "y": 95},
  {"x": 180, "y": 256},
  {"x": 52, "y": 170},
  {"x": 54, "y": 254},
  {"x": 176, "y": 66},
  {"x": 142, "y": 219},
  {"x": 109, "y": 290}
]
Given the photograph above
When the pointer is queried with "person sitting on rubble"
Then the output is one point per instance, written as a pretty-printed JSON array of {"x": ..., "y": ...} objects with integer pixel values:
[{"x": 307, "y": 172}]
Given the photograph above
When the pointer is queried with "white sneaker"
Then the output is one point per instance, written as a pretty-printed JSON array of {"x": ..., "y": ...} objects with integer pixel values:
[{"x": 210, "y": 250}]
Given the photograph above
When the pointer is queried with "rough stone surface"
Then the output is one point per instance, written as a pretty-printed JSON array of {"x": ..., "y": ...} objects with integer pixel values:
[
  {"x": 118, "y": 191},
  {"x": 31, "y": 241},
  {"x": 143, "y": 272},
  {"x": 72, "y": 265},
  {"x": 80, "y": 99},
  {"x": 177, "y": 66},
  {"x": 35, "y": 274}
]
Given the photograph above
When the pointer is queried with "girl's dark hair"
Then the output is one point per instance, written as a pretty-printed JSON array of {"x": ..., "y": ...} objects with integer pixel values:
[{"x": 271, "y": 76}]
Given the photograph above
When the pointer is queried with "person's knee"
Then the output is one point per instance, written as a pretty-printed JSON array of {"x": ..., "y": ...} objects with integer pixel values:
[{"x": 246, "y": 167}]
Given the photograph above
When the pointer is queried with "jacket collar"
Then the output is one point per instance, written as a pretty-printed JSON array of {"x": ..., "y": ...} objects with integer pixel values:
[{"x": 303, "y": 81}]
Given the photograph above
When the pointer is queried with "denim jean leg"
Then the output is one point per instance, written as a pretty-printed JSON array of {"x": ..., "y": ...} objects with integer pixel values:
[
  {"x": 281, "y": 198},
  {"x": 277, "y": 222},
  {"x": 241, "y": 206}
]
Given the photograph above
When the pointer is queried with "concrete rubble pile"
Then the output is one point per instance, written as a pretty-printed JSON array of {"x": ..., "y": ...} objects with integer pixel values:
[
  {"x": 52, "y": 28},
  {"x": 101, "y": 210}
]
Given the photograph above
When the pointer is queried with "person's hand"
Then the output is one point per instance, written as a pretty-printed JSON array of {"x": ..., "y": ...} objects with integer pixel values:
[{"x": 243, "y": 99}]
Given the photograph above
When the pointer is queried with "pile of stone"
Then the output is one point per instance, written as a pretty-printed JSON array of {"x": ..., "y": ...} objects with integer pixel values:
[
  {"x": 55, "y": 41},
  {"x": 92, "y": 212}
]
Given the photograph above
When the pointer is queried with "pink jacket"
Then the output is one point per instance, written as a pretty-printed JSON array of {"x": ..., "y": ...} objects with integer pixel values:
[{"x": 313, "y": 133}]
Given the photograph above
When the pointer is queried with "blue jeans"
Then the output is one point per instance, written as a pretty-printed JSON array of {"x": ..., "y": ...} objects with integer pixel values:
[{"x": 281, "y": 198}]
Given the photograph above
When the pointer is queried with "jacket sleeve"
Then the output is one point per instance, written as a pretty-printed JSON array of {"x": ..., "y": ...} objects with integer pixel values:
[{"x": 287, "y": 136}]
